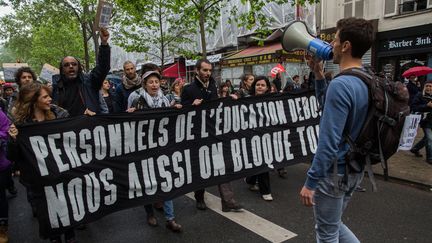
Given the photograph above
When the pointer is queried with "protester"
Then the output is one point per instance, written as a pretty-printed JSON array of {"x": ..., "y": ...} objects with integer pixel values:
[
  {"x": 202, "y": 89},
  {"x": 230, "y": 86},
  {"x": 130, "y": 82},
  {"x": 175, "y": 94},
  {"x": 345, "y": 109},
  {"x": 5, "y": 177},
  {"x": 25, "y": 75},
  {"x": 78, "y": 92},
  {"x": 414, "y": 87},
  {"x": 107, "y": 95},
  {"x": 261, "y": 86},
  {"x": 273, "y": 88},
  {"x": 9, "y": 95},
  {"x": 223, "y": 90},
  {"x": 164, "y": 86},
  {"x": 151, "y": 96},
  {"x": 245, "y": 86},
  {"x": 277, "y": 81},
  {"x": 34, "y": 105},
  {"x": 422, "y": 102},
  {"x": 295, "y": 86},
  {"x": 132, "y": 95}
]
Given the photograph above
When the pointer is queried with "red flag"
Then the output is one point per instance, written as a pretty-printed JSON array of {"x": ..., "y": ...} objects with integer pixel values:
[{"x": 278, "y": 69}]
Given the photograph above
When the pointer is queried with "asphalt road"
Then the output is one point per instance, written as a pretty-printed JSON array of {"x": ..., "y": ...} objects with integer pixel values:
[{"x": 397, "y": 213}]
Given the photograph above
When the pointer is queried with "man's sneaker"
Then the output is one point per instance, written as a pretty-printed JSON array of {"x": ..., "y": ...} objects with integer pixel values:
[
  {"x": 416, "y": 153},
  {"x": 267, "y": 197},
  {"x": 360, "y": 189}
]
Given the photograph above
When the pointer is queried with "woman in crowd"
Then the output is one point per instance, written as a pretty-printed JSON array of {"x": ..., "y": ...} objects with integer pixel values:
[
  {"x": 5, "y": 177},
  {"x": 261, "y": 86},
  {"x": 245, "y": 86},
  {"x": 34, "y": 105},
  {"x": 147, "y": 97},
  {"x": 422, "y": 102},
  {"x": 223, "y": 90},
  {"x": 174, "y": 96},
  {"x": 107, "y": 96},
  {"x": 230, "y": 86}
]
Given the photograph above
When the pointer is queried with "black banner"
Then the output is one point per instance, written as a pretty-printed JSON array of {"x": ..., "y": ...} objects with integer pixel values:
[{"x": 83, "y": 168}]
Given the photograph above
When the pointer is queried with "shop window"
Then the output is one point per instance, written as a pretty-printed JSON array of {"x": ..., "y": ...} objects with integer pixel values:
[
  {"x": 407, "y": 6},
  {"x": 353, "y": 8},
  {"x": 393, "y": 7}
]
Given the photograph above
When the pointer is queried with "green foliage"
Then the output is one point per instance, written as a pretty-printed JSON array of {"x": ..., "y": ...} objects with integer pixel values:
[
  {"x": 43, "y": 31},
  {"x": 50, "y": 46},
  {"x": 153, "y": 27}
]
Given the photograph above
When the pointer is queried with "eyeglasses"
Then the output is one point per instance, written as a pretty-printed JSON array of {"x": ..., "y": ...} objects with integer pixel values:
[{"x": 67, "y": 64}]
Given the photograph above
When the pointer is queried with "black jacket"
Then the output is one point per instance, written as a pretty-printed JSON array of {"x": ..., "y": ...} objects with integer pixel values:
[
  {"x": 419, "y": 104},
  {"x": 89, "y": 84},
  {"x": 195, "y": 90}
]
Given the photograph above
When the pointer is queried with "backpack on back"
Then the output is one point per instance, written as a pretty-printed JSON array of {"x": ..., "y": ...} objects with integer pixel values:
[{"x": 379, "y": 137}]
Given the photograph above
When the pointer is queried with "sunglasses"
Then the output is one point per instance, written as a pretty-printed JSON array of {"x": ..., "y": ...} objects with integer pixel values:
[{"x": 67, "y": 64}]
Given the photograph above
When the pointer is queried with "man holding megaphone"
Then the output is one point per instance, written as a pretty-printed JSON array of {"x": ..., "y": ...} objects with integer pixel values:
[{"x": 329, "y": 189}]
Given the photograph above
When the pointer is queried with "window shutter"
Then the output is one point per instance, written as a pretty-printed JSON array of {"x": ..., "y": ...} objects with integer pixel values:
[
  {"x": 359, "y": 7},
  {"x": 390, "y": 8},
  {"x": 348, "y": 9}
]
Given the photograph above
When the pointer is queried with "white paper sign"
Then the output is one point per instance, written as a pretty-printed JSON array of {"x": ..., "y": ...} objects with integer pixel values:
[
  {"x": 103, "y": 14},
  {"x": 47, "y": 72},
  {"x": 409, "y": 132},
  {"x": 10, "y": 69}
]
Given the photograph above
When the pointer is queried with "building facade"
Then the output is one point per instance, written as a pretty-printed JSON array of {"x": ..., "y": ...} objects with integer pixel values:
[{"x": 403, "y": 31}]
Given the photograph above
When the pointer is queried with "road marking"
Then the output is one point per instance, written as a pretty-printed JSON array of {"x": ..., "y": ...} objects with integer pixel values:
[{"x": 260, "y": 226}]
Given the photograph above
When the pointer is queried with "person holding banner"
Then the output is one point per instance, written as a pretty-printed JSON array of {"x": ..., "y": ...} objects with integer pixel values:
[
  {"x": 151, "y": 96},
  {"x": 34, "y": 105},
  {"x": 330, "y": 183},
  {"x": 78, "y": 92},
  {"x": 261, "y": 86},
  {"x": 245, "y": 86},
  {"x": 422, "y": 102},
  {"x": 202, "y": 89}
]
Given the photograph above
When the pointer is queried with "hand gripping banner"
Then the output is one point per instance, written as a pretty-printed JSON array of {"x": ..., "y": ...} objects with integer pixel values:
[{"x": 83, "y": 168}]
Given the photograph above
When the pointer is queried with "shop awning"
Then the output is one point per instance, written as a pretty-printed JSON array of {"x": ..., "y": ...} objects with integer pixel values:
[
  {"x": 257, "y": 51},
  {"x": 174, "y": 71}
]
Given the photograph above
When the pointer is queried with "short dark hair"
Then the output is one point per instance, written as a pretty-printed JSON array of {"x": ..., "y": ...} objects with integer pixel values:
[
  {"x": 295, "y": 76},
  {"x": 259, "y": 78},
  {"x": 359, "y": 32},
  {"x": 20, "y": 72},
  {"x": 149, "y": 67},
  {"x": 200, "y": 61}
]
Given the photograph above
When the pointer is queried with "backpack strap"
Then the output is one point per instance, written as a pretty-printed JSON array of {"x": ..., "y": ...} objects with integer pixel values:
[{"x": 365, "y": 77}]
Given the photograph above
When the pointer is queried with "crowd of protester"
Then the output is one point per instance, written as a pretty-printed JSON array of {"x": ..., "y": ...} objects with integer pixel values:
[{"x": 77, "y": 93}]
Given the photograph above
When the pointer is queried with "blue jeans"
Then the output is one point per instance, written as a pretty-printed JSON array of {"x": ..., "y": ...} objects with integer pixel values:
[
  {"x": 168, "y": 207},
  {"x": 329, "y": 207}
]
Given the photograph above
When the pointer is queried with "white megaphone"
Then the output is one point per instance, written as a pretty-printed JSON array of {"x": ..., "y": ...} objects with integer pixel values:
[{"x": 297, "y": 36}]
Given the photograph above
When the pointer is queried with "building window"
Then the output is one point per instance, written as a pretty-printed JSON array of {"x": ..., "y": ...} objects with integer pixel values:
[
  {"x": 353, "y": 8},
  {"x": 407, "y": 6}
]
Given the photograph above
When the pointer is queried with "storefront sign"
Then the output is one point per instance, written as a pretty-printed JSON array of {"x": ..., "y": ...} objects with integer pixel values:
[
  {"x": 411, "y": 42},
  {"x": 263, "y": 59}
]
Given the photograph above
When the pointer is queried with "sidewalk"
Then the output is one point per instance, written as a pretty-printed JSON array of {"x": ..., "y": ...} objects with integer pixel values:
[{"x": 404, "y": 165}]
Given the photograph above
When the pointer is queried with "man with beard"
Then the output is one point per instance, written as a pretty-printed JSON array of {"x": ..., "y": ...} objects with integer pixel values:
[
  {"x": 130, "y": 82},
  {"x": 203, "y": 88},
  {"x": 78, "y": 92}
]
